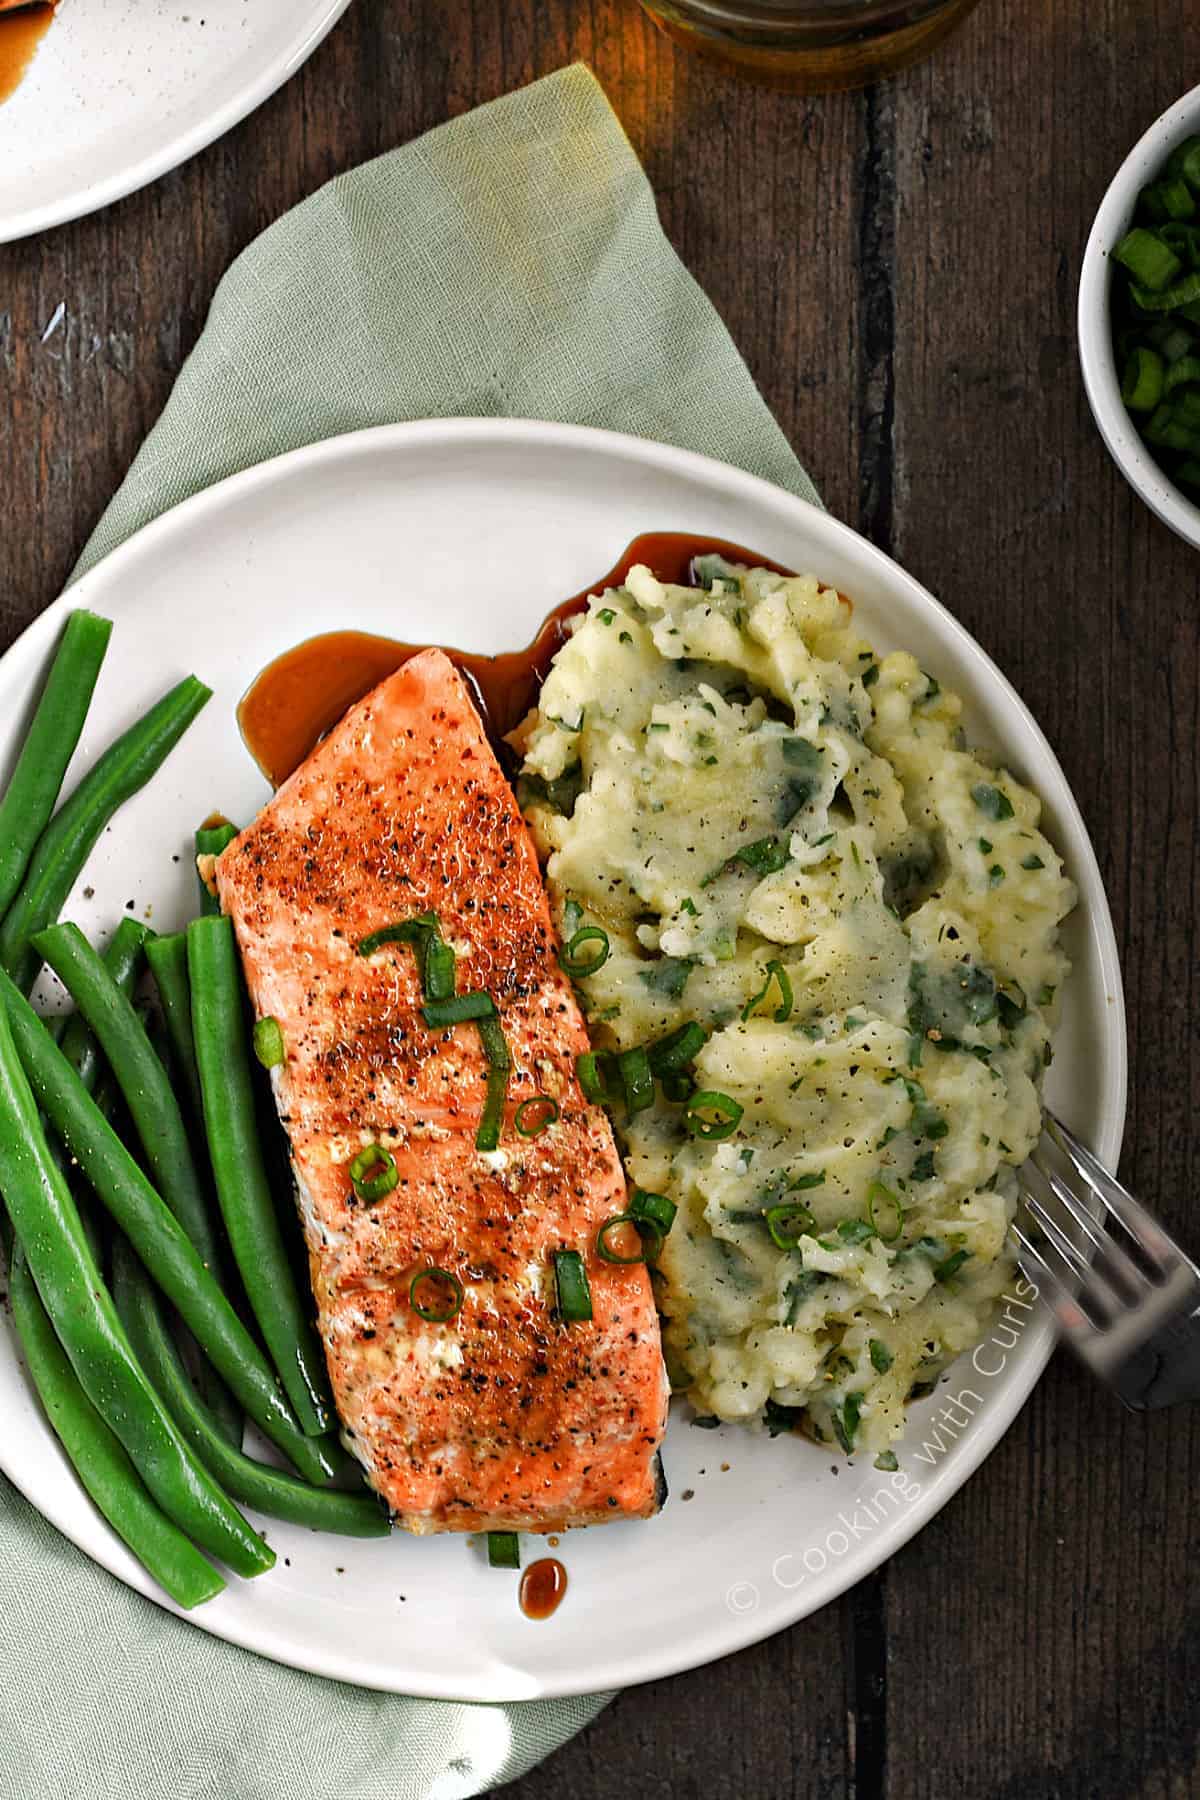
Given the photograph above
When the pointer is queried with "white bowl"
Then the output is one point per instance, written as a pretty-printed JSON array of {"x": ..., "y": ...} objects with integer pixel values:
[{"x": 1100, "y": 374}]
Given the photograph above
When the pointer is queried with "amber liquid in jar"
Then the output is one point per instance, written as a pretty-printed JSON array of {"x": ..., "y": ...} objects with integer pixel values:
[{"x": 811, "y": 46}]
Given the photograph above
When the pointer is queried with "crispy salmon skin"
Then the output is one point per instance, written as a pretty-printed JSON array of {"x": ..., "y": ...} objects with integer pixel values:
[{"x": 505, "y": 1417}]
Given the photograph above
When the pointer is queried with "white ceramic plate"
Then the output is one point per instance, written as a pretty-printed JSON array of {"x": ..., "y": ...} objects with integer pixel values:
[
  {"x": 466, "y": 532},
  {"x": 119, "y": 91}
]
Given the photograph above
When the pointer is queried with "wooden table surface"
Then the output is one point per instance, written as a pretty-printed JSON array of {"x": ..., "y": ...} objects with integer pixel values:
[{"x": 899, "y": 269}]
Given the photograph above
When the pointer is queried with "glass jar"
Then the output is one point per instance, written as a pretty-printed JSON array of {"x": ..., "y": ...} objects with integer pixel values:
[{"x": 812, "y": 46}]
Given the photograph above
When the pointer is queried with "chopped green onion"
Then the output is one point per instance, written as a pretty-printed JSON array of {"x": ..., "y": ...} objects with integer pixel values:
[
  {"x": 373, "y": 1173},
  {"x": 1150, "y": 263},
  {"x": 653, "y": 1209},
  {"x": 571, "y": 1283},
  {"x": 605, "y": 1250},
  {"x": 1180, "y": 294},
  {"x": 787, "y": 1224},
  {"x": 574, "y": 956},
  {"x": 637, "y": 1082},
  {"x": 711, "y": 1115},
  {"x": 1185, "y": 372},
  {"x": 1032, "y": 862},
  {"x": 457, "y": 1010},
  {"x": 536, "y": 1115},
  {"x": 881, "y": 1357},
  {"x": 268, "y": 1042},
  {"x": 504, "y": 1550},
  {"x": 495, "y": 1049},
  {"x": 674, "y": 1052},
  {"x": 778, "y": 974},
  {"x": 1143, "y": 380},
  {"x": 678, "y": 1088},
  {"x": 886, "y": 1460},
  {"x": 885, "y": 1212},
  {"x": 444, "y": 1299}
]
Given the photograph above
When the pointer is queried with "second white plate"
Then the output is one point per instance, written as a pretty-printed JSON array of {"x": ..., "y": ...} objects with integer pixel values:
[
  {"x": 119, "y": 91},
  {"x": 467, "y": 532}
]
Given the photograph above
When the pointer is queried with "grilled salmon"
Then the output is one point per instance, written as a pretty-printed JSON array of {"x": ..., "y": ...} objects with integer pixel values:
[{"x": 505, "y": 1416}]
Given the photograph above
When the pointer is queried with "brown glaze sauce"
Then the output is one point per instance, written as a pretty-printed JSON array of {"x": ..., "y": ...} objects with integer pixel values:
[
  {"x": 542, "y": 1587},
  {"x": 300, "y": 696},
  {"x": 20, "y": 34}
]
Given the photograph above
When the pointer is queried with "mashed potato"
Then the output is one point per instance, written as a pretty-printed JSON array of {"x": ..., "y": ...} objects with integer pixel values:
[{"x": 786, "y": 842}]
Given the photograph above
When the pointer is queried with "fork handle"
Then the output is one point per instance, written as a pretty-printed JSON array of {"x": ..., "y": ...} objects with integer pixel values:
[{"x": 1166, "y": 1370}]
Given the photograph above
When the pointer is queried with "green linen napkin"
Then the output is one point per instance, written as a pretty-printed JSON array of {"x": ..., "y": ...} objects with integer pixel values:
[{"x": 508, "y": 264}]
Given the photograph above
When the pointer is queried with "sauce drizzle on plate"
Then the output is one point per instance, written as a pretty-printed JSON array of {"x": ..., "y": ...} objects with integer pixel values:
[
  {"x": 300, "y": 696},
  {"x": 20, "y": 34},
  {"x": 542, "y": 1587}
]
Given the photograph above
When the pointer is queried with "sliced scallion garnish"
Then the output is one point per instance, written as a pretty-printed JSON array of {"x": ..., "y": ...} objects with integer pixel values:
[
  {"x": 373, "y": 1173},
  {"x": 268, "y": 1042},
  {"x": 712, "y": 1115},
  {"x": 788, "y": 1223},
  {"x": 457, "y": 1010},
  {"x": 575, "y": 957},
  {"x": 591, "y": 1071},
  {"x": 495, "y": 1050},
  {"x": 504, "y": 1550},
  {"x": 609, "y": 1252},
  {"x": 571, "y": 1285},
  {"x": 407, "y": 931},
  {"x": 636, "y": 1080},
  {"x": 438, "y": 973},
  {"x": 674, "y": 1052},
  {"x": 534, "y": 1116},
  {"x": 653, "y": 1209},
  {"x": 436, "y": 1295},
  {"x": 435, "y": 958}
]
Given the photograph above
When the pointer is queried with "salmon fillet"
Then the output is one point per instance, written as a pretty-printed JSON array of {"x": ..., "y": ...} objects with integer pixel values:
[{"x": 505, "y": 1417}]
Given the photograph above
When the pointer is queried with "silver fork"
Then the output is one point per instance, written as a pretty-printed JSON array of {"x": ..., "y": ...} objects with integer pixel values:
[{"x": 1127, "y": 1302}]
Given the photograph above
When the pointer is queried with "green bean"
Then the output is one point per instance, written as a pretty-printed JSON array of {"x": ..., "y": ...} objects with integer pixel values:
[
  {"x": 211, "y": 839},
  {"x": 67, "y": 841},
  {"x": 223, "y": 1053},
  {"x": 141, "y": 1077},
  {"x": 32, "y": 792},
  {"x": 167, "y": 957},
  {"x": 122, "y": 959},
  {"x": 126, "y": 1193},
  {"x": 252, "y": 1483},
  {"x": 98, "y": 1457},
  {"x": 47, "y": 1223},
  {"x": 225, "y": 1409}
]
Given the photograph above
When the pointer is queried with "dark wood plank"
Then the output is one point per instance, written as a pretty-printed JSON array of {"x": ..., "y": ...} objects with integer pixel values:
[{"x": 1043, "y": 1632}]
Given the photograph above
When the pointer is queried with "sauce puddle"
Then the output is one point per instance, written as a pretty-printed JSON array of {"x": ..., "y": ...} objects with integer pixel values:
[
  {"x": 20, "y": 34},
  {"x": 542, "y": 1587},
  {"x": 300, "y": 696}
]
